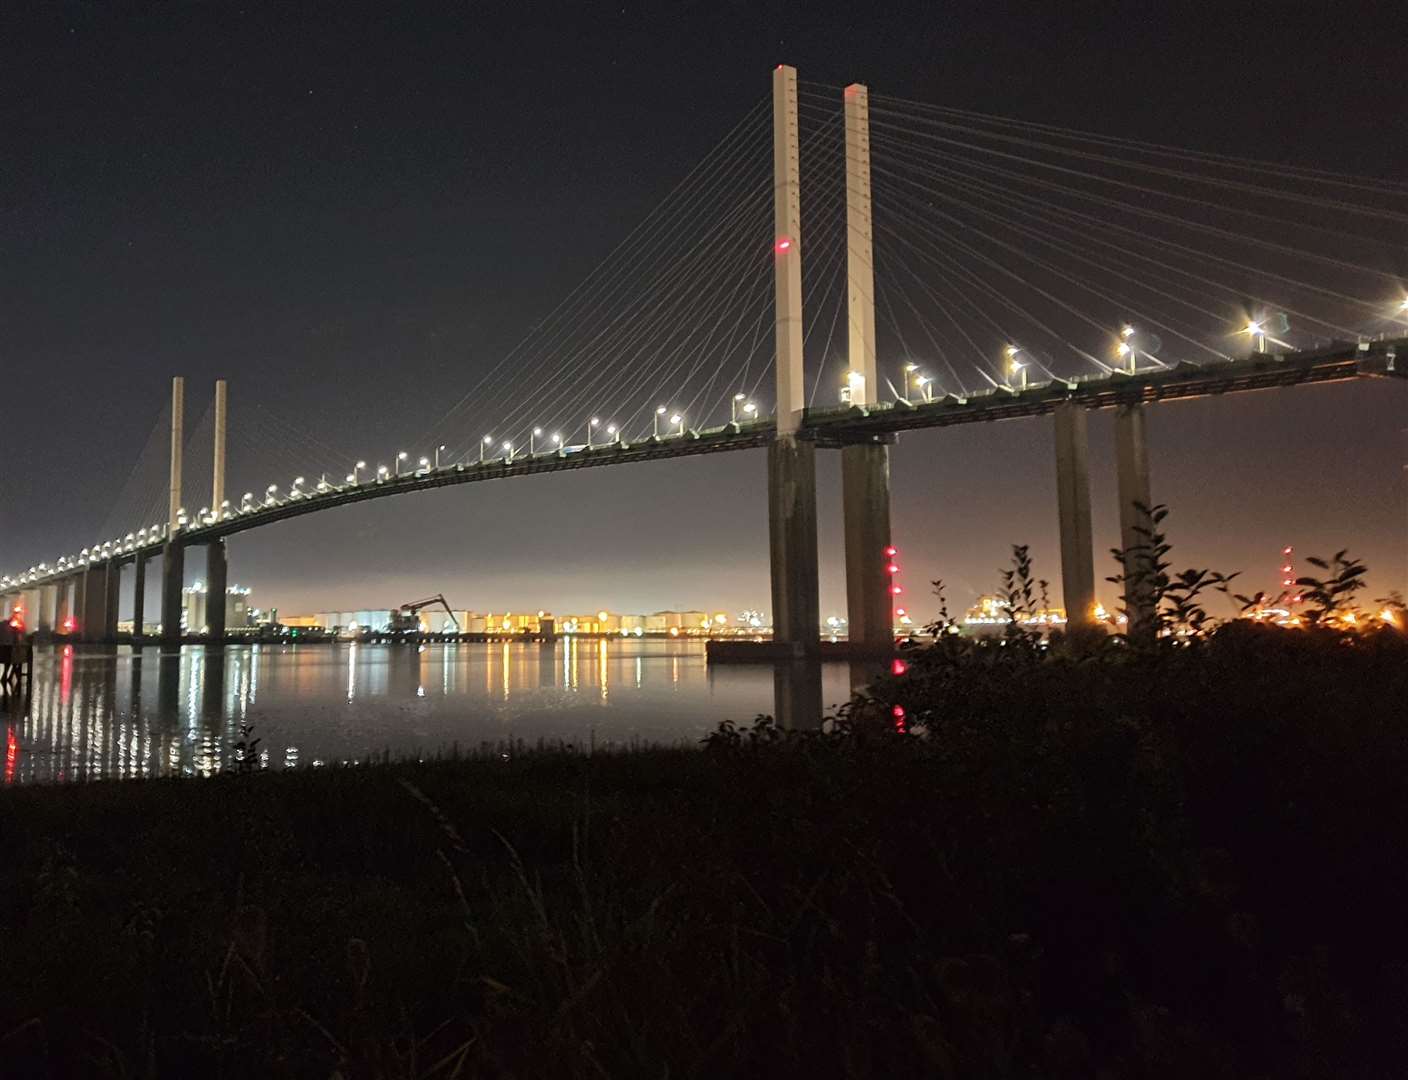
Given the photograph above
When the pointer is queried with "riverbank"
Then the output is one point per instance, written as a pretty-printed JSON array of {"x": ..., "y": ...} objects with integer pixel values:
[{"x": 1052, "y": 895}]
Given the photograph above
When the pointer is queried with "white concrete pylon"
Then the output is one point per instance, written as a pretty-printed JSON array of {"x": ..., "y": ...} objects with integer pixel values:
[
  {"x": 217, "y": 489},
  {"x": 860, "y": 252},
  {"x": 178, "y": 418},
  {"x": 787, "y": 249}
]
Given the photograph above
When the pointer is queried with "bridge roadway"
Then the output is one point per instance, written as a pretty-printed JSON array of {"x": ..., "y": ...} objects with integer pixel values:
[{"x": 830, "y": 428}]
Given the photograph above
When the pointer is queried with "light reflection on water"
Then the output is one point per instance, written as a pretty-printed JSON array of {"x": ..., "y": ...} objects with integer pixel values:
[{"x": 101, "y": 712}]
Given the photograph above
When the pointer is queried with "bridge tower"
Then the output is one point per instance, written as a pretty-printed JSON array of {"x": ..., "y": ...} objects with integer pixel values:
[
  {"x": 216, "y": 560},
  {"x": 173, "y": 558},
  {"x": 865, "y": 467},
  {"x": 796, "y": 607}
]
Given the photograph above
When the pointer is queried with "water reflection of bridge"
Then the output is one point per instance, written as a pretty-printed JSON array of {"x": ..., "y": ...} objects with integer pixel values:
[{"x": 103, "y": 712}]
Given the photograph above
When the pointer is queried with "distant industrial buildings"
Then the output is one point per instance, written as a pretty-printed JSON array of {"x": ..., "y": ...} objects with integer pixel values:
[{"x": 668, "y": 623}]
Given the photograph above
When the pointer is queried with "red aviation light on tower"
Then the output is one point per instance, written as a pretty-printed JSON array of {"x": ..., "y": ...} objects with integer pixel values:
[
  {"x": 782, "y": 245},
  {"x": 891, "y": 552}
]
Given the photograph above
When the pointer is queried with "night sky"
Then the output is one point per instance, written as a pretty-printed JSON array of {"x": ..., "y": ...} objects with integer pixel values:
[{"x": 350, "y": 214}]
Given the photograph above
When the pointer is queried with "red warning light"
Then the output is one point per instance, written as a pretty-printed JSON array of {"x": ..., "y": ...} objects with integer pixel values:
[
  {"x": 70, "y": 625},
  {"x": 892, "y": 568},
  {"x": 898, "y": 713},
  {"x": 16, "y": 623},
  {"x": 895, "y": 590},
  {"x": 891, "y": 552},
  {"x": 783, "y": 244},
  {"x": 898, "y": 667},
  {"x": 900, "y": 611}
]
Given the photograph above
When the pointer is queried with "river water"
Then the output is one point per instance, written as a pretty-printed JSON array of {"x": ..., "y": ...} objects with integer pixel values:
[{"x": 96, "y": 713}]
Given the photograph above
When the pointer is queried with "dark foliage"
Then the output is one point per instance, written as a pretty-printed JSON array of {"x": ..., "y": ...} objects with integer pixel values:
[{"x": 1171, "y": 858}]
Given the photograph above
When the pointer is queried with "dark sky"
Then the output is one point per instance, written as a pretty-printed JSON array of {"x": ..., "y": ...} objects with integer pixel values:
[{"x": 350, "y": 213}]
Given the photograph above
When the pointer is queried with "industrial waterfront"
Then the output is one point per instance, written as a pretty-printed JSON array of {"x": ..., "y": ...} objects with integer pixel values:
[{"x": 98, "y": 713}]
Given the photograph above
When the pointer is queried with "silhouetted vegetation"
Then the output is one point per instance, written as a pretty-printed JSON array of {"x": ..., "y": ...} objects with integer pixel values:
[{"x": 1170, "y": 856}]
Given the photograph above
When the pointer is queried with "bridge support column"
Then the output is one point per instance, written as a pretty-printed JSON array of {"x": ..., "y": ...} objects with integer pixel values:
[
  {"x": 1073, "y": 509},
  {"x": 79, "y": 582},
  {"x": 216, "y": 574},
  {"x": 30, "y": 602},
  {"x": 112, "y": 593},
  {"x": 796, "y": 607},
  {"x": 1132, "y": 477},
  {"x": 48, "y": 607},
  {"x": 173, "y": 576},
  {"x": 139, "y": 593},
  {"x": 94, "y": 621},
  {"x": 63, "y": 610},
  {"x": 865, "y": 496}
]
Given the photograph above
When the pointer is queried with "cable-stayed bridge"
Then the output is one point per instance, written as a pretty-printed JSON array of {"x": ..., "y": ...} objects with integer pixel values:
[{"x": 957, "y": 268}]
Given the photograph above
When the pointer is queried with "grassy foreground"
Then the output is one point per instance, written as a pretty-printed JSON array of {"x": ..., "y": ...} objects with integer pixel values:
[{"x": 1186, "y": 863}]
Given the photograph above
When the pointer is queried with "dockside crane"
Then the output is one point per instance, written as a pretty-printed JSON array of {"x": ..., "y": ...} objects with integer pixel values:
[{"x": 404, "y": 621}]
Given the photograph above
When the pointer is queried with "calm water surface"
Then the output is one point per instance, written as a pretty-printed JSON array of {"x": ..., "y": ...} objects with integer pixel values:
[{"x": 99, "y": 712}]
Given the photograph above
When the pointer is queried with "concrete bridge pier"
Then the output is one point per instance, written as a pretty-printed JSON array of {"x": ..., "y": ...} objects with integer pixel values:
[
  {"x": 865, "y": 495},
  {"x": 796, "y": 606},
  {"x": 112, "y": 594},
  {"x": 49, "y": 605},
  {"x": 28, "y": 603},
  {"x": 93, "y": 584},
  {"x": 79, "y": 602},
  {"x": 217, "y": 570},
  {"x": 139, "y": 592},
  {"x": 63, "y": 608},
  {"x": 1132, "y": 478},
  {"x": 1073, "y": 510},
  {"x": 173, "y": 576}
]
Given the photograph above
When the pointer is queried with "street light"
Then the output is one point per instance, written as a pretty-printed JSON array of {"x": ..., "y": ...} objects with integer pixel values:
[
  {"x": 438, "y": 449},
  {"x": 1016, "y": 368},
  {"x": 356, "y": 469},
  {"x": 508, "y": 451},
  {"x": 400, "y": 457},
  {"x": 594, "y": 422},
  {"x": 1256, "y": 330},
  {"x": 740, "y": 401},
  {"x": 533, "y": 437},
  {"x": 655, "y": 421},
  {"x": 297, "y": 483},
  {"x": 557, "y": 441},
  {"x": 1126, "y": 349},
  {"x": 381, "y": 471},
  {"x": 425, "y": 465},
  {"x": 486, "y": 441},
  {"x": 613, "y": 432},
  {"x": 926, "y": 387},
  {"x": 678, "y": 420}
]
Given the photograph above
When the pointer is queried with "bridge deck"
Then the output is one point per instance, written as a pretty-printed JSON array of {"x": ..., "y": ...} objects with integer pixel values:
[{"x": 835, "y": 427}]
